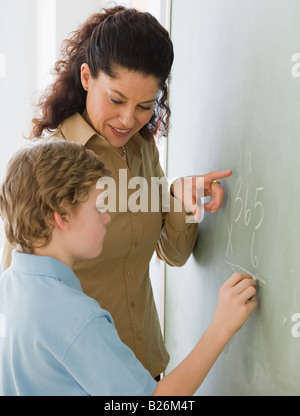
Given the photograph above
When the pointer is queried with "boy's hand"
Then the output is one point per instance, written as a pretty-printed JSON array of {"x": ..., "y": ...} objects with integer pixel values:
[{"x": 234, "y": 304}]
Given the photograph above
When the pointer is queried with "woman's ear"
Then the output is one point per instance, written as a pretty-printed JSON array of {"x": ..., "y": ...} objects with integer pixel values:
[
  {"x": 61, "y": 221},
  {"x": 85, "y": 76}
]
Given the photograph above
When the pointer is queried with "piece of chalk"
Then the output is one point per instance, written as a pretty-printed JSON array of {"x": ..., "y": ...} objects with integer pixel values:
[{"x": 257, "y": 278}]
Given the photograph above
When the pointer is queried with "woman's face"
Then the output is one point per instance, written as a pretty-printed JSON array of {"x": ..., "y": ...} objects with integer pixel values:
[{"x": 119, "y": 107}]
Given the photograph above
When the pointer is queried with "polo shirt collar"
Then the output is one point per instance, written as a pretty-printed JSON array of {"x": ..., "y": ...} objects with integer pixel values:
[{"x": 44, "y": 266}]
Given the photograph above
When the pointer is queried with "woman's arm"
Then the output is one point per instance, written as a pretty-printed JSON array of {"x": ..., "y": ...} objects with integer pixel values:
[{"x": 179, "y": 225}]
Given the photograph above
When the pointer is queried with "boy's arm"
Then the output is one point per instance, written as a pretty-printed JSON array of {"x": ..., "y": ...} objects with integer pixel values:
[{"x": 233, "y": 309}]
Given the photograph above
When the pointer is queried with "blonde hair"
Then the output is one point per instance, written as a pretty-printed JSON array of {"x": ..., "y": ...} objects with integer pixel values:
[{"x": 40, "y": 180}]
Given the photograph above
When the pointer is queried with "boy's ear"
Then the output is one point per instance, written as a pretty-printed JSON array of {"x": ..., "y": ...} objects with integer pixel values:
[{"x": 61, "y": 221}]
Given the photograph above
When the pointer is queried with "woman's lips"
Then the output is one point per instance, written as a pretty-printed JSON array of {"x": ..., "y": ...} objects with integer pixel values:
[{"x": 120, "y": 132}]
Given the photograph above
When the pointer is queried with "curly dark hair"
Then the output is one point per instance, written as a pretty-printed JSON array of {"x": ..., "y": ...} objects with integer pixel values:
[{"x": 115, "y": 37}]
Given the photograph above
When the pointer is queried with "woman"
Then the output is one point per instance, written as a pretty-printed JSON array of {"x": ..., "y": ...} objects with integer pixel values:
[{"x": 110, "y": 94}]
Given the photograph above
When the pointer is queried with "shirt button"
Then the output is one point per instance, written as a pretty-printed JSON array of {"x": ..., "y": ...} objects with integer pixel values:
[
  {"x": 139, "y": 337},
  {"x": 136, "y": 244},
  {"x": 130, "y": 273},
  {"x": 132, "y": 304}
]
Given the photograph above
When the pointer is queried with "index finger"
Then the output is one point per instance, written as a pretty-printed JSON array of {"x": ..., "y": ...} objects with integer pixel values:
[
  {"x": 236, "y": 278},
  {"x": 212, "y": 176}
]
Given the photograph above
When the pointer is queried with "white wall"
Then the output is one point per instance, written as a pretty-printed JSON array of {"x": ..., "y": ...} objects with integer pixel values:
[
  {"x": 72, "y": 13},
  {"x": 17, "y": 46}
]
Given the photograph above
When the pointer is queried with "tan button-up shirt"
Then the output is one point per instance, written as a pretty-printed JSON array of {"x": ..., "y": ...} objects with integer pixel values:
[{"x": 119, "y": 278}]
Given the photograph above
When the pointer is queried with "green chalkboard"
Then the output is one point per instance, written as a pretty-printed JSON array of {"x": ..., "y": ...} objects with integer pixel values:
[{"x": 235, "y": 97}]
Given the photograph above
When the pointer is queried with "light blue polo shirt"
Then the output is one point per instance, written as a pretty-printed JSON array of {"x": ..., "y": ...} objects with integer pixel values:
[{"x": 57, "y": 341}]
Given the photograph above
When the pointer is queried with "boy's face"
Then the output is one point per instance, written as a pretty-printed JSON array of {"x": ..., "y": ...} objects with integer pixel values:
[{"x": 87, "y": 227}]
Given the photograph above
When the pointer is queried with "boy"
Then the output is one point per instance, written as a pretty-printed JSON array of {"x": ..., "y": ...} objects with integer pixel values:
[{"x": 57, "y": 340}]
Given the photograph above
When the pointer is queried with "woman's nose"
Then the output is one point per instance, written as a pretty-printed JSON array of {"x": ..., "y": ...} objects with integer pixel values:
[{"x": 127, "y": 117}]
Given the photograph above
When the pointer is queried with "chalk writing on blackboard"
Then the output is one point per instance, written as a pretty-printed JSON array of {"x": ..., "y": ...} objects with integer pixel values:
[
  {"x": 242, "y": 269},
  {"x": 248, "y": 212}
]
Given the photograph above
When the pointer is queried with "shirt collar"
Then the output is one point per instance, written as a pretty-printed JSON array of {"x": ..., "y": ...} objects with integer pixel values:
[
  {"x": 44, "y": 266},
  {"x": 76, "y": 128}
]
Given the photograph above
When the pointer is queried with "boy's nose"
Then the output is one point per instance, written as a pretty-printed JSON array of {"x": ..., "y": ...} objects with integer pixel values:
[{"x": 106, "y": 219}]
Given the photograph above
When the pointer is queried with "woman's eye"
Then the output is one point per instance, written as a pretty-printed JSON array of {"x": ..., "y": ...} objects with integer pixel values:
[
  {"x": 145, "y": 108},
  {"x": 142, "y": 107},
  {"x": 116, "y": 102}
]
